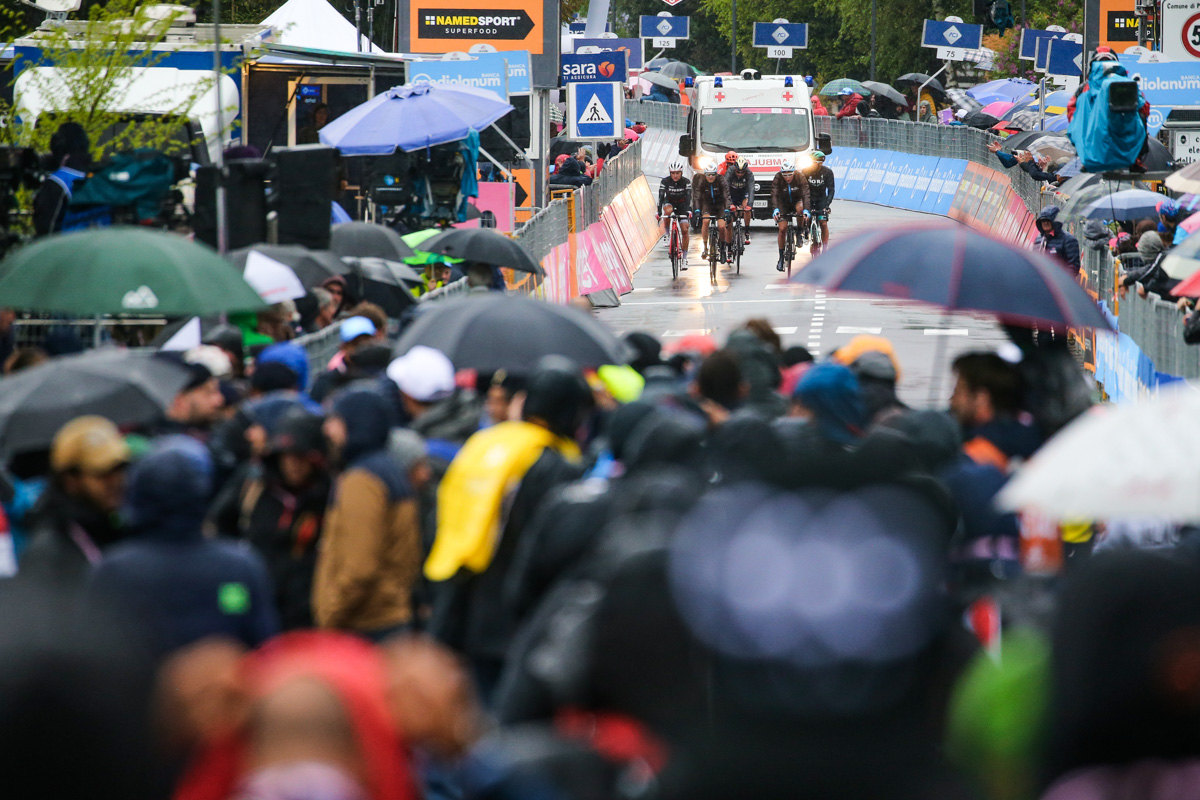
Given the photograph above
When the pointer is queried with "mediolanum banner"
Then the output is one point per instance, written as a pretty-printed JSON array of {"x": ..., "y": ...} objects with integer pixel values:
[{"x": 443, "y": 26}]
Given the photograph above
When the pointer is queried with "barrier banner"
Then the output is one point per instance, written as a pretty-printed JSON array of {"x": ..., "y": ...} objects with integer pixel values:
[
  {"x": 962, "y": 195},
  {"x": 942, "y": 190},
  {"x": 873, "y": 187},
  {"x": 592, "y": 277},
  {"x": 906, "y": 178},
  {"x": 627, "y": 231},
  {"x": 556, "y": 286},
  {"x": 613, "y": 228},
  {"x": 604, "y": 255},
  {"x": 856, "y": 174},
  {"x": 498, "y": 198}
]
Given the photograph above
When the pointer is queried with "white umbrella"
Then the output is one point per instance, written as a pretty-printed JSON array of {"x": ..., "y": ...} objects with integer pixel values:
[
  {"x": 273, "y": 280},
  {"x": 1186, "y": 180},
  {"x": 1135, "y": 460}
]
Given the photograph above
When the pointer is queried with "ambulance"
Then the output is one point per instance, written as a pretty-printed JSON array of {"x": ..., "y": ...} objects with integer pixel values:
[{"x": 767, "y": 119}]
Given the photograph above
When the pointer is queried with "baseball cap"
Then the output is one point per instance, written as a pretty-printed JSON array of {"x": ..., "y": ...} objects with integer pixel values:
[
  {"x": 90, "y": 444},
  {"x": 846, "y": 92},
  {"x": 424, "y": 374},
  {"x": 354, "y": 327}
]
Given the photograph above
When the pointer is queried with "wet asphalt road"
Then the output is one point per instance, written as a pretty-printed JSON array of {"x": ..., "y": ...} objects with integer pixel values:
[{"x": 801, "y": 314}]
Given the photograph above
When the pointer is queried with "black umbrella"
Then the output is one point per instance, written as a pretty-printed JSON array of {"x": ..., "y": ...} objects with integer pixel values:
[
  {"x": 1021, "y": 141},
  {"x": 1158, "y": 158},
  {"x": 678, "y": 70},
  {"x": 128, "y": 387},
  {"x": 484, "y": 246},
  {"x": 312, "y": 267},
  {"x": 366, "y": 239},
  {"x": 495, "y": 331},
  {"x": 978, "y": 119},
  {"x": 383, "y": 282},
  {"x": 883, "y": 90},
  {"x": 915, "y": 79}
]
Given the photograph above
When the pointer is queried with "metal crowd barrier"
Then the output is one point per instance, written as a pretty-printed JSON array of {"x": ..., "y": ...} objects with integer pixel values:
[
  {"x": 320, "y": 346},
  {"x": 668, "y": 116}
]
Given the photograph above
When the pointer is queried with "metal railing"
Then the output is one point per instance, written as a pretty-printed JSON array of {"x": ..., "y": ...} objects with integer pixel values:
[
  {"x": 320, "y": 346},
  {"x": 668, "y": 116}
]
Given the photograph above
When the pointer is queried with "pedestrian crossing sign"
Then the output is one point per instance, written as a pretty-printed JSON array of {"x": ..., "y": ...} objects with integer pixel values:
[{"x": 595, "y": 110}]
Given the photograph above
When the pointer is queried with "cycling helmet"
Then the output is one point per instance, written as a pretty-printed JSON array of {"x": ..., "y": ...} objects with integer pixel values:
[
  {"x": 675, "y": 166},
  {"x": 819, "y": 157},
  {"x": 787, "y": 166},
  {"x": 711, "y": 169},
  {"x": 731, "y": 157},
  {"x": 742, "y": 163}
]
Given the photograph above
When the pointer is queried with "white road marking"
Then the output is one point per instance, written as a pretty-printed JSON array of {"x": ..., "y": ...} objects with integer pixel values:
[
  {"x": 644, "y": 289},
  {"x": 785, "y": 331},
  {"x": 947, "y": 332},
  {"x": 857, "y": 329},
  {"x": 701, "y": 300},
  {"x": 686, "y": 332}
]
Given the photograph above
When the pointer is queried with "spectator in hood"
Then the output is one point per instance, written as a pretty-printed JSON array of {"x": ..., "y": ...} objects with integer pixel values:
[
  {"x": 180, "y": 585},
  {"x": 76, "y": 517},
  {"x": 337, "y": 288},
  {"x": 1055, "y": 241},
  {"x": 1150, "y": 277},
  {"x": 571, "y": 173},
  {"x": 444, "y": 415},
  {"x": 819, "y": 109},
  {"x": 279, "y": 508},
  {"x": 370, "y": 553},
  {"x": 327, "y": 309}
]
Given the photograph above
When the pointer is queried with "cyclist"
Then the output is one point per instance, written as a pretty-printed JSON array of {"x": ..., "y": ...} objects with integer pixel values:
[
  {"x": 710, "y": 197},
  {"x": 673, "y": 195},
  {"x": 789, "y": 193},
  {"x": 740, "y": 181},
  {"x": 820, "y": 194}
]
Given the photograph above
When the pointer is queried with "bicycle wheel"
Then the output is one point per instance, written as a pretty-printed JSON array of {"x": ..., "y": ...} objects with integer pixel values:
[
  {"x": 714, "y": 252},
  {"x": 675, "y": 256},
  {"x": 789, "y": 247}
]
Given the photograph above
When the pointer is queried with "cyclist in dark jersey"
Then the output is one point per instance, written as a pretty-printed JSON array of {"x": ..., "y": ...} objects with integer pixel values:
[
  {"x": 820, "y": 193},
  {"x": 740, "y": 181},
  {"x": 789, "y": 193},
  {"x": 710, "y": 198},
  {"x": 674, "y": 195}
]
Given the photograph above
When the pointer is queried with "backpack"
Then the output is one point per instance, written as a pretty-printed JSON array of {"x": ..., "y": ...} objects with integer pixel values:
[{"x": 1108, "y": 129}]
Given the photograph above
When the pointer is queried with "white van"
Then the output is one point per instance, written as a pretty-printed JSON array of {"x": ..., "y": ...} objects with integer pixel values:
[{"x": 768, "y": 120}]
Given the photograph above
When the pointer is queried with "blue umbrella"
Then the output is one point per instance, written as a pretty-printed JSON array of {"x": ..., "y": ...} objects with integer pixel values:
[
  {"x": 952, "y": 266},
  {"x": 1124, "y": 205},
  {"x": 413, "y": 116},
  {"x": 1010, "y": 89},
  {"x": 1057, "y": 124}
]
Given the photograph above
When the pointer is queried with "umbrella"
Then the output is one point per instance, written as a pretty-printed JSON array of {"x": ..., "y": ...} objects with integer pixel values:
[
  {"x": 1052, "y": 147},
  {"x": 978, "y": 119},
  {"x": 997, "y": 109},
  {"x": 1056, "y": 124},
  {"x": 952, "y": 266},
  {"x": 657, "y": 63},
  {"x": 834, "y": 87},
  {"x": 1134, "y": 460},
  {"x": 366, "y": 239},
  {"x": 411, "y": 117},
  {"x": 311, "y": 267},
  {"x": 1024, "y": 120},
  {"x": 1010, "y": 89},
  {"x": 1071, "y": 168},
  {"x": 961, "y": 99},
  {"x": 1028, "y": 104},
  {"x": 1072, "y": 187},
  {"x": 1124, "y": 205},
  {"x": 486, "y": 247},
  {"x": 915, "y": 80},
  {"x": 658, "y": 79},
  {"x": 1084, "y": 197},
  {"x": 128, "y": 387},
  {"x": 1021, "y": 141},
  {"x": 420, "y": 256},
  {"x": 1186, "y": 179},
  {"x": 883, "y": 90},
  {"x": 123, "y": 270},
  {"x": 1158, "y": 157},
  {"x": 678, "y": 70},
  {"x": 1181, "y": 262},
  {"x": 1056, "y": 102},
  {"x": 495, "y": 331},
  {"x": 382, "y": 282}
]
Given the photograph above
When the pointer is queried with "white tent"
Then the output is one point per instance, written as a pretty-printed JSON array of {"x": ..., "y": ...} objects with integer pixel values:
[{"x": 317, "y": 25}]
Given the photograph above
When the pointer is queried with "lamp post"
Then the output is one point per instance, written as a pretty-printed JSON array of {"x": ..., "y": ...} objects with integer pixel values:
[
  {"x": 733, "y": 38},
  {"x": 874, "y": 3}
]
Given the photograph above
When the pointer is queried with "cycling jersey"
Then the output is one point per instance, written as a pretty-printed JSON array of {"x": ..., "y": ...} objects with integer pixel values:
[
  {"x": 820, "y": 187},
  {"x": 676, "y": 193},
  {"x": 786, "y": 195},
  {"x": 710, "y": 198},
  {"x": 740, "y": 184}
]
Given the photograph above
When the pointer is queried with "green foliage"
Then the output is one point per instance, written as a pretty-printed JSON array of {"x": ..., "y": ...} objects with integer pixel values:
[{"x": 96, "y": 60}]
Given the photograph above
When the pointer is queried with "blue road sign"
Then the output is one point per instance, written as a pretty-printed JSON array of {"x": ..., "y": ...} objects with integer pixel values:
[
  {"x": 632, "y": 47},
  {"x": 1065, "y": 59},
  {"x": 581, "y": 27},
  {"x": 1029, "y": 41},
  {"x": 952, "y": 34},
  {"x": 1041, "y": 52},
  {"x": 664, "y": 27},
  {"x": 606, "y": 67},
  {"x": 595, "y": 110},
  {"x": 781, "y": 34}
]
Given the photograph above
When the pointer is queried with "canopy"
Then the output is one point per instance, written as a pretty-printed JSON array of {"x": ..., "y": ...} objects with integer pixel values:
[{"x": 316, "y": 24}]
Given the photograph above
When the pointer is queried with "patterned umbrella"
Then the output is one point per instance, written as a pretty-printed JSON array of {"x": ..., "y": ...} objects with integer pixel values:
[
  {"x": 961, "y": 99},
  {"x": 833, "y": 87}
]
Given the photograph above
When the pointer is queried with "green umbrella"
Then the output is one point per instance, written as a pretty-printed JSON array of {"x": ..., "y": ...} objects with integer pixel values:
[
  {"x": 123, "y": 270},
  {"x": 833, "y": 87},
  {"x": 421, "y": 257}
]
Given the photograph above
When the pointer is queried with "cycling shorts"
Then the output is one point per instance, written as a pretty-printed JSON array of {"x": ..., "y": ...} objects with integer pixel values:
[{"x": 738, "y": 198}]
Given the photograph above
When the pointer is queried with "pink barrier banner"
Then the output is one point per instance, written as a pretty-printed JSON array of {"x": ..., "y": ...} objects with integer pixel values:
[
  {"x": 613, "y": 227},
  {"x": 592, "y": 277},
  {"x": 627, "y": 230},
  {"x": 557, "y": 284},
  {"x": 605, "y": 255},
  {"x": 499, "y": 199}
]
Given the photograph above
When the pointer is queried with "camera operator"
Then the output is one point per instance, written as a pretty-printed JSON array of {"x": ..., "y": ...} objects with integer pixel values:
[{"x": 68, "y": 163}]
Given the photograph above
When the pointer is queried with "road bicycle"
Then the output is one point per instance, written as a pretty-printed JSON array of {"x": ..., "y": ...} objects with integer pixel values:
[
  {"x": 739, "y": 239},
  {"x": 814, "y": 231},
  {"x": 675, "y": 249},
  {"x": 714, "y": 247},
  {"x": 789, "y": 242}
]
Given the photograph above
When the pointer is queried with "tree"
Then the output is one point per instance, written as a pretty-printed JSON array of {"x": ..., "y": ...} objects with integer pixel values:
[{"x": 96, "y": 64}]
